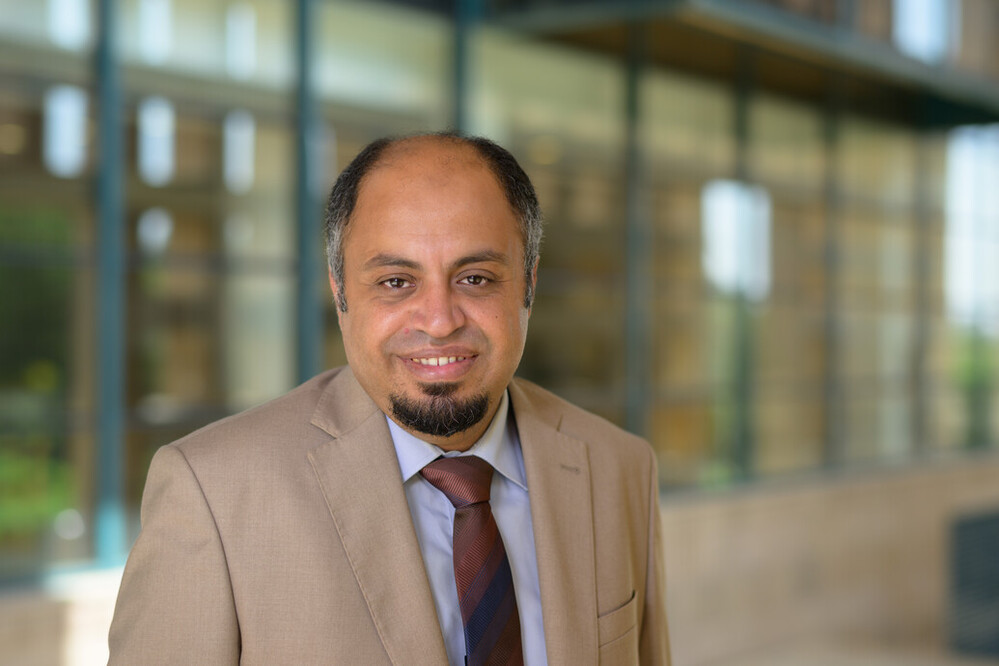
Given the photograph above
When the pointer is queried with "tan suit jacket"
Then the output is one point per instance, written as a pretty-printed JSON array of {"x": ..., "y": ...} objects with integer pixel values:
[{"x": 282, "y": 536}]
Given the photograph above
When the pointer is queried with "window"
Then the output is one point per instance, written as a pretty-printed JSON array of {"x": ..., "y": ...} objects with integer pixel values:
[
  {"x": 69, "y": 23},
  {"x": 736, "y": 225},
  {"x": 64, "y": 143},
  {"x": 238, "y": 132},
  {"x": 156, "y": 140},
  {"x": 971, "y": 280},
  {"x": 241, "y": 41},
  {"x": 927, "y": 30},
  {"x": 155, "y": 30}
]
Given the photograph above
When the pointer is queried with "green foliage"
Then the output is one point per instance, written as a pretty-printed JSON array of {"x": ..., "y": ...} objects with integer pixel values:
[
  {"x": 34, "y": 296},
  {"x": 36, "y": 287},
  {"x": 974, "y": 377},
  {"x": 33, "y": 487}
]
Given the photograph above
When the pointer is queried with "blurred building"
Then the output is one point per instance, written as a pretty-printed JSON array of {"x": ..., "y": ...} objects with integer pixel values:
[{"x": 772, "y": 248}]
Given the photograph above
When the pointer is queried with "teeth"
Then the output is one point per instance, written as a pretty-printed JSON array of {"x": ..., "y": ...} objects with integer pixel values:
[{"x": 438, "y": 360}]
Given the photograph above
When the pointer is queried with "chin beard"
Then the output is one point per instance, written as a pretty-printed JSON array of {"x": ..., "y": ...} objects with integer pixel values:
[{"x": 439, "y": 414}]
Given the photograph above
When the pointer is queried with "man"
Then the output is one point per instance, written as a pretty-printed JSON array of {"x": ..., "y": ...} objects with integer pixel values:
[{"x": 419, "y": 506}]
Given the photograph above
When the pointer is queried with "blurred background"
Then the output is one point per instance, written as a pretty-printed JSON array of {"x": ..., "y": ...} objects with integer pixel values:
[{"x": 772, "y": 248}]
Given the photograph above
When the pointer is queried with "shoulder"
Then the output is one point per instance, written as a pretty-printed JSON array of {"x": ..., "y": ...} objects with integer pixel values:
[
  {"x": 621, "y": 466},
  {"x": 271, "y": 429},
  {"x": 603, "y": 438}
]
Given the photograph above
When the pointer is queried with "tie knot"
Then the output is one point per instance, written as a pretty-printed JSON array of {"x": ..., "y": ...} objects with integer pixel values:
[{"x": 464, "y": 479}]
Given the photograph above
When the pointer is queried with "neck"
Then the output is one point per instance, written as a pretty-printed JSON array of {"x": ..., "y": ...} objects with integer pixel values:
[{"x": 461, "y": 441}]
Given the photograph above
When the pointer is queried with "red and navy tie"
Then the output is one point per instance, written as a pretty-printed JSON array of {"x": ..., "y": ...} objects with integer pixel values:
[{"x": 481, "y": 568}]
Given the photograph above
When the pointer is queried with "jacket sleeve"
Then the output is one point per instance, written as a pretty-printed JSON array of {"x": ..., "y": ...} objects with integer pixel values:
[
  {"x": 175, "y": 604},
  {"x": 654, "y": 641}
]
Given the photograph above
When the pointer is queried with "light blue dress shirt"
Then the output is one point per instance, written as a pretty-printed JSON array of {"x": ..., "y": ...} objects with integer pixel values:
[{"x": 433, "y": 518}]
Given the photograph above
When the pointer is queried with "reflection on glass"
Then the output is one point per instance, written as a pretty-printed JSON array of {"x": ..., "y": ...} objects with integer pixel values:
[
  {"x": 238, "y": 133},
  {"x": 735, "y": 223},
  {"x": 545, "y": 150},
  {"x": 380, "y": 56},
  {"x": 69, "y": 23},
  {"x": 65, "y": 126},
  {"x": 785, "y": 146},
  {"x": 13, "y": 139},
  {"x": 736, "y": 227},
  {"x": 154, "y": 229},
  {"x": 155, "y": 30},
  {"x": 37, "y": 479},
  {"x": 241, "y": 40},
  {"x": 258, "y": 315},
  {"x": 69, "y": 525},
  {"x": 971, "y": 280},
  {"x": 924, "y": 29},
  {"x": 156, "y": 140},
  {"x": 238, "y": 234},
  {"x": 686, "y": 123}
]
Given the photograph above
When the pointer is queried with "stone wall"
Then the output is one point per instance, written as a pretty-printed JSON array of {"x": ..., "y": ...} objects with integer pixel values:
[{"x": 860, "y": 559}]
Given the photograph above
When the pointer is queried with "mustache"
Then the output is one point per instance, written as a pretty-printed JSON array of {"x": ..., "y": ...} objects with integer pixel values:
[{"x": 407, "y": 340}]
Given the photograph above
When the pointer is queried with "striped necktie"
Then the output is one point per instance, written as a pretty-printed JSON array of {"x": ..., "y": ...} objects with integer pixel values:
[{"x": 481, "y": 568}]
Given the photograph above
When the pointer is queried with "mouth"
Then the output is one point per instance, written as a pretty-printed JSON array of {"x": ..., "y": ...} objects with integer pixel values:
[
  {"x": 434, "y": 368},
  {"x": 438, "y": 361}
]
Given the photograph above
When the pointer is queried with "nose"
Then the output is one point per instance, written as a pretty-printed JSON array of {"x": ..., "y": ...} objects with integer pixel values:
[{"x": 438, "y": 312}]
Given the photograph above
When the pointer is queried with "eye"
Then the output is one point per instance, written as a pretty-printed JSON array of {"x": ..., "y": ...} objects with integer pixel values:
[
  {"x": 396, "y": 283},
  {"x": 475, "y": 280}
]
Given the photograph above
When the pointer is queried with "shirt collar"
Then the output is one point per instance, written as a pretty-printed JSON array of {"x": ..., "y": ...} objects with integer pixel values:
[{"x": 496, "y": 447}]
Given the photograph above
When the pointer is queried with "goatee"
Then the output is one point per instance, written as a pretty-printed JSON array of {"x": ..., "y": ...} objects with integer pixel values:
[{"x": 440, "y": 414}]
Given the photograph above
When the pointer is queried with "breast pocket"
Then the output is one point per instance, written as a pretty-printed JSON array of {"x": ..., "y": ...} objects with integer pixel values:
[{"x": 617, "y": 633}]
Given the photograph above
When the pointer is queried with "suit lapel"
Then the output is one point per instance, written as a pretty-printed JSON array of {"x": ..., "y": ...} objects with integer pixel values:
[
  {"x": 359, "y": 475},
  {"x": 558, "y": 481}
]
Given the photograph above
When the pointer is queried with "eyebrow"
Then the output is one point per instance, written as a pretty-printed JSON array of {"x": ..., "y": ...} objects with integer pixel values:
[
  {"x": 383, "y": 259},
  {"x": 485, "y": 256}
]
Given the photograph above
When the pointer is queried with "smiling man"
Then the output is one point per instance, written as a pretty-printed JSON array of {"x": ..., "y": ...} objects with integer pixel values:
[
  {"x": 420, "y": 505},
  {"x": 435, "y": 289}
]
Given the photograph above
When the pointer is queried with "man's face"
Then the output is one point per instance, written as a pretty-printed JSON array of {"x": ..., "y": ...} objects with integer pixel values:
[{"x": 434, "y": 285}]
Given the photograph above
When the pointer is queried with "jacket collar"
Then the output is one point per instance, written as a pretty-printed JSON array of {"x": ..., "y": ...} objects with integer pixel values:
[
  {"x": 359, "y": 476},
  {"x": 558, "y": 480}
]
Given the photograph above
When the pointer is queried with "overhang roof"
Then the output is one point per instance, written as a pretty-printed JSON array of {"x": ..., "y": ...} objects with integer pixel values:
[{"x": 778, "y": 51}]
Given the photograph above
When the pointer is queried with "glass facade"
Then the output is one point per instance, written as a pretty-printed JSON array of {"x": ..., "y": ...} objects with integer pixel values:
[
  {"x": 821, "y": 291},
  {"x": 46, "y": 306}
]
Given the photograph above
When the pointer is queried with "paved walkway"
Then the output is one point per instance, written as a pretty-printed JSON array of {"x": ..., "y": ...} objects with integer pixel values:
[{"x": 856, "y": 656}]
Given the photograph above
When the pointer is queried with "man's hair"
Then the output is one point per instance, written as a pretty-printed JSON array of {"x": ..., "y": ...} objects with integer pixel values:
[{"x": 515, "y": 183}]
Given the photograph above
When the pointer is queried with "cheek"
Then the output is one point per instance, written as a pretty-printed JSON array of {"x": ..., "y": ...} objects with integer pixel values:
[
  {"x": 509, "y": 329},
  {"x": 384, "y": 331}
]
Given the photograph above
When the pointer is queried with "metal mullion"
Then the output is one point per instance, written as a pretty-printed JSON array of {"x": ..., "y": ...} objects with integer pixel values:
[
  {"x": 834, "y": 440},
  {"x": 466, "y": 16},
  {"x": 638, "y": 248},
  {"x": 109, "y": 528},
  {"x": 309, "y": 144},
  {"x": 923, "y": 310},
  {"x": 743, "y": 380}
]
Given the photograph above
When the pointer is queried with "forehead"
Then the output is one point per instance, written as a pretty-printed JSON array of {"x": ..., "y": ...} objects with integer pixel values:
[
  {"x": 430, "y": 163},
  {"x": 425, "y": 182}
]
